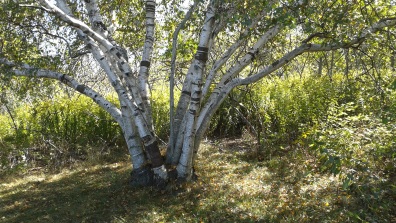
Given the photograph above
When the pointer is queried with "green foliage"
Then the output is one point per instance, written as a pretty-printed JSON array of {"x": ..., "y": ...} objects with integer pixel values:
[
  {"x": 278, "y": 107},
  {"x": 358, "y": 148},
  {"x": 160, "y": 106},
  {"x": 346, "y": 124},
  {"x": 57, "y": 132},
  {"x": 348, "y": 141}
]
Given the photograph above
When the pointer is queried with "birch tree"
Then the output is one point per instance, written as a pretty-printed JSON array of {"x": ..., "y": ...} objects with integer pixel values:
[{"x": 237, "y": 43}]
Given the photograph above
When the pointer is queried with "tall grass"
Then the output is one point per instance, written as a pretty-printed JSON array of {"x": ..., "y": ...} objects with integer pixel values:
[
  {"x": 57, "y": 132},
  {"x": 287, "y": 112}
]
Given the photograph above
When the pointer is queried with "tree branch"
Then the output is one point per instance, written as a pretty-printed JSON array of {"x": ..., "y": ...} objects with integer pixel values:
[
  {"x": 237, "y": 68},
  {"x": 34, "y": 7},
  {"x": 228, "y": 53},
  {"x": 150, "y": 7},
  {"x": 215, "y": 101},
  {"x": 172, "y": 73},
  {"x": 77, "y": 24},
  {"x": 309, "y": 47},
  {"x": 29, "y": 71}
]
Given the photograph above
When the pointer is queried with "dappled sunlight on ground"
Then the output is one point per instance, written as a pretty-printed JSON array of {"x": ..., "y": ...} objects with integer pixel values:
[{"x": 232, "y": 187}]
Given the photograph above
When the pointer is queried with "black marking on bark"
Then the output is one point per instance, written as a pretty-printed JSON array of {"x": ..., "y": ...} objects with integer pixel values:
[
  {"x": 186, "y": 92},
  {"x": 253, "y": 55},
  {"x": 195, "y": 99},
  {"x": 120, "y": 67},
  {"x": 154, "y": 154},
  {"x": 145, "y": 98},
  {"x": 202, "y": 54},
  {"x": 100, "y": 24},
  {"x": 275, "y": 63},
  {"x": 150, "y": 38},
  {"x": 80, "y": 88},
  {"x": 145, "y": 63},
  {"x": 95, "y": 95},
  {"x": 89, "y": 46},
  {"x": 146, "y": 138},
  {"x": 150, "y": 7},
  {"x": 130, "y": 138},
  {"x": 192, "y": 112},
  {"x": 62, "y": 78},
  {"x": 119, "y": 55},
  {"x": 127, "y": 74}
]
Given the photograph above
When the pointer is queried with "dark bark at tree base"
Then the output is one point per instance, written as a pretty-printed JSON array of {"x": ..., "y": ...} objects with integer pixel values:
[
  {"x": 142, "y": 177},
  {"x": 194, "y": 177},
  {"x": 145, "y": 176}
]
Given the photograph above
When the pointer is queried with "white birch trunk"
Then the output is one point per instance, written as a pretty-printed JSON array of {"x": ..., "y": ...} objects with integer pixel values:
[
  {"x": 111, "y": 59},
  {"x": 184, "y": 167},
  {"x": 133, "y": 142},
  {"x": 190, "y": 121},
  {"x": 172, "y": 155},
  {"x": 146, "y": 61}
]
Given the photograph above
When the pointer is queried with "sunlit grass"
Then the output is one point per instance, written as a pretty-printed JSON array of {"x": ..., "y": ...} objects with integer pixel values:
[{"x": 232, "y": 187}]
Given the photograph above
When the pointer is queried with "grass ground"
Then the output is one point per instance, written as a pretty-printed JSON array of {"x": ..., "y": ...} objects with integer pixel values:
[{"x": 234, "y": 185}]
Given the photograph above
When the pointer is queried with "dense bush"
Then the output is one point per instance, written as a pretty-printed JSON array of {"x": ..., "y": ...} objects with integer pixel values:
[
  {"x": 56, "y": 132},
  {"x": 347, "y": 124},
  {"x": 64, "y": 130},
  {"x": 160, "y": 106},
  {"x": 277, "y": 108},
  {"x": 333, "y": 117}
]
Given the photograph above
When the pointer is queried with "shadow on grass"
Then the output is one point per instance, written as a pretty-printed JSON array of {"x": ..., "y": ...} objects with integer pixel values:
[
  {"x": 85, "y": 195},
  {"x": 231, "y": 188}
]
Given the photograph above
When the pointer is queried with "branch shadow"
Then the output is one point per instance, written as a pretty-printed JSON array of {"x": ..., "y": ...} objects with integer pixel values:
[{"x": 230, "y": 188}]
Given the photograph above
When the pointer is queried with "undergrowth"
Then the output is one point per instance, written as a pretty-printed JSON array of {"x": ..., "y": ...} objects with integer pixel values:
[
  {"x": 310, "y": 149},
  {"x": 232, "y": 186}
]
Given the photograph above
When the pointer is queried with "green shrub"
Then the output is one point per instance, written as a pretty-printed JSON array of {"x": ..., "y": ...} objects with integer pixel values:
[
  {"x": 160, "y": 109},
  {"x": 53, "y": 133},
  {"x": 56, "y": 132}
]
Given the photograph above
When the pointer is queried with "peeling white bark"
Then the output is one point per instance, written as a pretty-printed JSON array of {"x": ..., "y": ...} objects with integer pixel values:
[
  {"x": 170, "y": 156},
  {"x": 112, "y": 62},
  {"x": 233, "y": 71},
  {"x": 228, "y": 53},
  {"x": 184, "y": 167},
  {"x": 146, "y": 61},
  {"x": 134, "y": 144}
]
